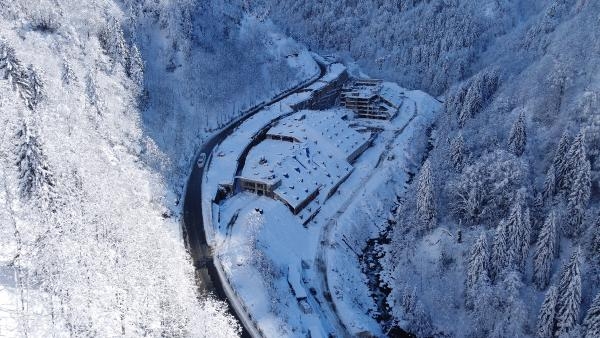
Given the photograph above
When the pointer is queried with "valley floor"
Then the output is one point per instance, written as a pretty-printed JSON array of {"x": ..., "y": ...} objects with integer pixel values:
[{"x": 268, "y": 254}]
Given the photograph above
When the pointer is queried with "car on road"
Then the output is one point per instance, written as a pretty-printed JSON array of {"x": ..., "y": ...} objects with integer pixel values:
[
  {"x": 201, "y": 160},
  {"x": 304, "y": 306}
]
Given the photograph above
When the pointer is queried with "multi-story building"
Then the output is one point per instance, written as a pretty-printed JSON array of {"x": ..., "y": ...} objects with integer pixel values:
[{"x": 371, "y": 98}]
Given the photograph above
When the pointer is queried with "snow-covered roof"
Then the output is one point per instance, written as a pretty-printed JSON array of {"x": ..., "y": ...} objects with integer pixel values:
[
  {"x": 297, "y": 169},
  {"x": 388, "y": 91},
  {"x": 222, "y": 168},
  {"x": 318, "y": 85},
  {"x": 362, "y": 92},
  {"x": 294, "y": 99},
  {"x": 392, "y": 93},
  {"x": 334, "y": 71},
  {"x": 313, "y": 164},
  {"x": 326, "y": 129}
]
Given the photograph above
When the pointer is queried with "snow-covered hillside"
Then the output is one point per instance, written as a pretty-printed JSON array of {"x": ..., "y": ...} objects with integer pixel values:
[
  {"x": 514, "y": 159},
  {"x": 101, "y": 106},
  {"x": 490, "y": 226},
  {"x": 206, "y": 62}
]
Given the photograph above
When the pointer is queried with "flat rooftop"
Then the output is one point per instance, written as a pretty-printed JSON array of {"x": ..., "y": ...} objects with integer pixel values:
[
  {"x": 299, "y": 169},
  {"x": 306, "y": 153},
  {"x": 326, "y": 130}
]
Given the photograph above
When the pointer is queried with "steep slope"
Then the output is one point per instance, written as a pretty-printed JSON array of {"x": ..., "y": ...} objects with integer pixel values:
[
  {"x": 88, "y": 248},
  {"x": 515, "y": 76},
  {"x": 101, "y": 105},
  {"x": 206, "y": 62}
]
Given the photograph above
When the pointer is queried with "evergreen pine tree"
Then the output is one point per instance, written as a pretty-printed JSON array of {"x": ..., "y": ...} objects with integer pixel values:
[
  {"x": 68, "y": 74},
  {"x": 9, "y": 63},
  {"x": 457, "y": 155},
  {"x": 35, "y": 88},
  {"x": 112, "y": 40},
  {"x": 471, "y": 105},
  {"x": 91, "y": 90},
  {"x": 549, "y": 184},
  {"x": 594, "y": 246},
  {"x": 135, "y": 67},
  {"x": 579, "y": 185},
  {"x": 517, "y": 231},
  {"x": 14, "y": 72},
  {"x": 560, "y": 160},
  {"x": 592, "y": 319},
  {"x": 544, "y": 252},
  {"x": 425, "y": 198},
  {"x": 523, "y": 239},
  {"x": 34, "y": 175},
  {"x": 576, "y": 157},
  {"x": 517, "y": 138},
  {"x": 22, "y": 85},
  {"x": 547, "y": 315},
  {"x": 478, "y": 264},
  {"x": 513, "y": 222},
  {"x": 511, "y": 241},
  {"x": 569, "y": 295},
  {"x": 509, "y": 315},
  {"x": 501, "y": 254}
]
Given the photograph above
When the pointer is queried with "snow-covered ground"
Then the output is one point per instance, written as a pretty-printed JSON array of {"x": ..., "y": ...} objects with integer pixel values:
[
  {"x": 8, "y": 301},
  {"x": 368, "y": 196},
  {"x": 109, "y": 148},
  {"x": 259, "y": 240}
]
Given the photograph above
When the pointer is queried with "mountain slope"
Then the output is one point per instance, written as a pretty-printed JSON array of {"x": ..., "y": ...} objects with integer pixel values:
[
  {"x": 102, "y": 104},
  {"x": 515, "y": 76}
]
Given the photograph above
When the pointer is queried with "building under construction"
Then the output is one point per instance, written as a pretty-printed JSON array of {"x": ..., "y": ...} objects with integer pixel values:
[{"x": 371, "y": 98}]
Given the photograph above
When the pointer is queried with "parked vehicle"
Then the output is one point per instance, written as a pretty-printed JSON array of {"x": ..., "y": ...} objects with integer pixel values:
[
  {"x": 201, "y": 160},
  {"x": 304, "y": 306}
]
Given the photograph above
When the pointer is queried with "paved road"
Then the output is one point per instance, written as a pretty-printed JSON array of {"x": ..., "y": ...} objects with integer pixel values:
[{"x": 193, "y": 227}]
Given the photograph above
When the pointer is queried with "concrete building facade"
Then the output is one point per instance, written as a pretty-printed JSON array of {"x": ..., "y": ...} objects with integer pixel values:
[{"x": 371, "y": 98}]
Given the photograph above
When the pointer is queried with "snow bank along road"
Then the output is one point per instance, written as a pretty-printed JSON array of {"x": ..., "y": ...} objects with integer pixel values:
[{"x": 209, "y": 277}]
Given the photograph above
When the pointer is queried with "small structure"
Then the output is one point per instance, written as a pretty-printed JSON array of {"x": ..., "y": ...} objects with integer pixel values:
[
  {"x": 297, "y": 286},
  {"x": 264, "y": 185},
  {"x": 371, "y": 98}
]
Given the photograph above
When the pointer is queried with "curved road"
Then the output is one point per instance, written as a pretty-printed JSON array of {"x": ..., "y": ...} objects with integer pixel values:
[{"x": 193, "y": 228}]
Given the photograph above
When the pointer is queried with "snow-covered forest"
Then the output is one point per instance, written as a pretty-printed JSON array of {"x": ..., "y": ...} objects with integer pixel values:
[
  {"x": 103, "y": 104},
  {"x": 506, "y": 204}
]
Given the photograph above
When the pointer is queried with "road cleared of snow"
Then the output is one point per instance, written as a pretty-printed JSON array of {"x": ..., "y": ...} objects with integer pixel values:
[{"x": 258, "y": 240}]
